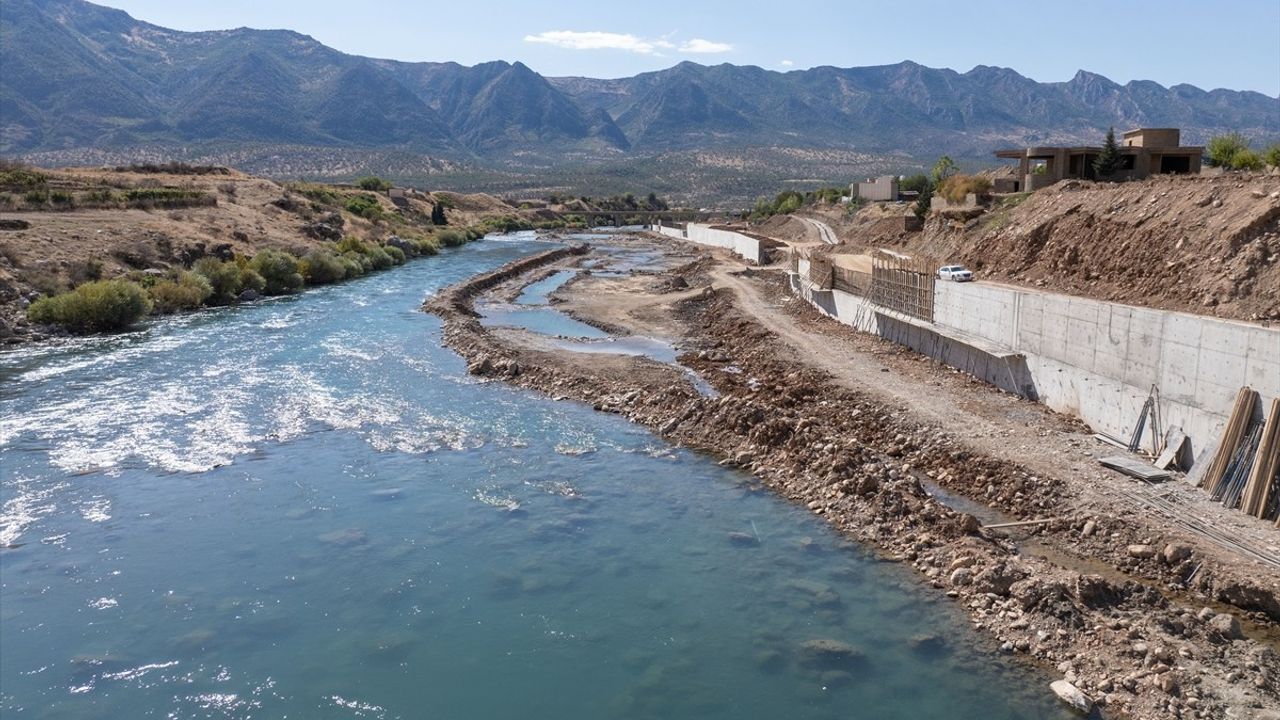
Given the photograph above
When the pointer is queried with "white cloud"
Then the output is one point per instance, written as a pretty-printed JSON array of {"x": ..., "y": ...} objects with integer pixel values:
[
  {"x": 572, "y": 40},
  {"x": 705, "y": 47},
  {"x": 596, "y": 40},
  {"x": 788, "y": 63}
]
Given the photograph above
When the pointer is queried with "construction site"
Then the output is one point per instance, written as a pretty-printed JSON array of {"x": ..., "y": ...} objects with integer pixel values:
[{"x": 1095, "y": 482}]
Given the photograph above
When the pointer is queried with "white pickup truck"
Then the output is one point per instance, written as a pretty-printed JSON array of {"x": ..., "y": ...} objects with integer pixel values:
[{"x": 955, "y": 273}]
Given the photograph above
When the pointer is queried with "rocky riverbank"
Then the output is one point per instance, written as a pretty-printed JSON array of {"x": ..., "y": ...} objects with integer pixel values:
[{"x": 1117, "y": 640}]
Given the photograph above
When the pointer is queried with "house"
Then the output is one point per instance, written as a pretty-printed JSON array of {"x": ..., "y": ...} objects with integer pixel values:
[
  {"x": 1143, "y": 152},
  {"x": 881, "y": 189}
]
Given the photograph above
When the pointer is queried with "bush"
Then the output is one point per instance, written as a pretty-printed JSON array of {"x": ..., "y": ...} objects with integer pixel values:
[
  {"x": 452, "y": 238},
  {"x": 376, "y": 184},
  {"x": 955, "y": 187},
  {"x": 379, "y": 258},
  {"x": 1222, "y": 149},
  {"x": 351, "y": 243},
  {"x": 223, "y": 278},
  {"x": 351, "y": 266},
  {"x": 1271, "y": 156},
  {"x": 321, "y": 267},
  {"x": 366, "y": 206},
  {"x": 396, "y": 254},
  {"x": 360, "y": 259},
  {"x": 187, "y": 292},
  {"x": 279, "y": 270},
  {"x": 100, "y": 306},
  {"x": 1247, "y": 160},
  {"x": 427, "y": 245}
]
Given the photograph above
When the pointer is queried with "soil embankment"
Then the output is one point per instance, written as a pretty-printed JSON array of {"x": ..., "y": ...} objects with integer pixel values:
[
  {"x": 1202, "y": 244},
  {"x": 1120, "y": 627}
]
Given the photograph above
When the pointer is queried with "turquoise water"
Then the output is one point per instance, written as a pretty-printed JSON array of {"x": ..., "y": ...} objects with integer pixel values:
[{"x": 306, "y": 508}]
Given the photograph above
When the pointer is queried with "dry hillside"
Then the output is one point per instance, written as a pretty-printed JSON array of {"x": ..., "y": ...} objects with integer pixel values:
[
  {"x": 103, "y": 223},
  {"x": 1205, "y": 244}
]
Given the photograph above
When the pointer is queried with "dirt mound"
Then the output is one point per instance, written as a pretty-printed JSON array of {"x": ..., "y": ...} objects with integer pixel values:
[{"x": 1208, "y": 245}]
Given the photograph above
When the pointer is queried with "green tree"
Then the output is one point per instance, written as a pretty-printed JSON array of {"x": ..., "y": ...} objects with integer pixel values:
[
  {"x": 1108, "y": 161},
  {"x": 943, "y": 169},
  {"x": 914, "y": 183},
  {"x": 924, "y": 201},
  {"x": 437, "y": 214}
]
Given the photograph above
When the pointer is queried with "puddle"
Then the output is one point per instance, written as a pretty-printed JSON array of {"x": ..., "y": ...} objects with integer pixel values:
[{"x": 538, "y": 293}]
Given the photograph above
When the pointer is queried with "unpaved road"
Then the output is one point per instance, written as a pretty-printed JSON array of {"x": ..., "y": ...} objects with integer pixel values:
[
  {"x": 994, "y": 422},
  {"x": 825, "y": 232}
]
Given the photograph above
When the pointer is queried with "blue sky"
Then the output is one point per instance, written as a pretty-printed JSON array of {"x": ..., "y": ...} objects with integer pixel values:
[{"x": 1221, "y": 44}]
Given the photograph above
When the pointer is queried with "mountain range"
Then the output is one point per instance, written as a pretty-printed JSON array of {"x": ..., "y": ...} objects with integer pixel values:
[{"x": 78, "y": 76}]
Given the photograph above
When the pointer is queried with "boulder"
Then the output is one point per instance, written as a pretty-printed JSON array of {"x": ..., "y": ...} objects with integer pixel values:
[
  {"x": 825, "y": 653},
  {"x": 1142, "y": 552},
  {"x": 1226, "y": 625},
  {"x": 1175, "y": 553},
  {"x": 1072, "y": 696},
  {"x": 248, "y": 295}
]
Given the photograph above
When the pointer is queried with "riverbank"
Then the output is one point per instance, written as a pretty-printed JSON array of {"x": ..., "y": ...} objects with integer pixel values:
[{"x": 876, "y": 472}]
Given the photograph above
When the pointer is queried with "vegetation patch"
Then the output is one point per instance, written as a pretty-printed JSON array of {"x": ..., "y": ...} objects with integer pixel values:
[{"x": 99, "y": 306}]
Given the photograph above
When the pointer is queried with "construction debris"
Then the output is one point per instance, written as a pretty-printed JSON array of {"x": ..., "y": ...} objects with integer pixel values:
[
  {"x": 1262, "y": 493},
  {"x": 1237, "y": 428},
  {"x": 1134, "y": 468}
]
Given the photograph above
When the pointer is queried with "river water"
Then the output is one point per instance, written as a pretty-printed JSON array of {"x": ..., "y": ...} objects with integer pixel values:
[{"x": 306, "y": 508}]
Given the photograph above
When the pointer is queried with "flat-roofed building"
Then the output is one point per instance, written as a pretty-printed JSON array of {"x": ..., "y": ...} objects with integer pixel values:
[{"x": 1143, "y": 152}]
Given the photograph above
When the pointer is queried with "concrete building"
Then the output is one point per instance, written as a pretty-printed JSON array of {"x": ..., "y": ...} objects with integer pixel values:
[
  {"x": 881, "y": 189},
  {"x": 1143, "y": 152}
]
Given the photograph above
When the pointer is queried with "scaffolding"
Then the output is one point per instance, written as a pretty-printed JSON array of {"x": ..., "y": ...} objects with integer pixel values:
[{"x": 903, "y": 284}]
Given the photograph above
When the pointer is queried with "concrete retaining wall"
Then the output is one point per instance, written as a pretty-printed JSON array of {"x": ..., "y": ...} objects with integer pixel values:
[
  {"x": 746, "y": 247},
  {"x": 1092, "y": 359},
  {"x": 1098, "y": 360}
]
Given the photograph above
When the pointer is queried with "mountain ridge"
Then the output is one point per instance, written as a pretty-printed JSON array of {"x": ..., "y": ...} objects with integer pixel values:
[{"x": 78, "y": 75}]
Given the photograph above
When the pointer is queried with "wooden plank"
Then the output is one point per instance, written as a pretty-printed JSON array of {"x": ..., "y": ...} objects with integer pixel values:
[
  {"x": 1134, "y": 468},
  {"x": 1258, "y": 489},
  {"x": 1020, "y": 523}
]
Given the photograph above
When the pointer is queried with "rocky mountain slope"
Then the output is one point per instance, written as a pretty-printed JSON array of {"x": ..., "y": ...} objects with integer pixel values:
[{"x": 77, "y": 75}]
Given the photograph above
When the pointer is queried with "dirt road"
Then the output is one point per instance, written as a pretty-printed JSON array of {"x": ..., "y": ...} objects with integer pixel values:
[{"x": 825, "y": 232}]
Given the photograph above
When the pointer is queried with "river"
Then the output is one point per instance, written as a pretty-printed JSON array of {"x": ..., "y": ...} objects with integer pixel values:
[{"x": 305, "y": 508}]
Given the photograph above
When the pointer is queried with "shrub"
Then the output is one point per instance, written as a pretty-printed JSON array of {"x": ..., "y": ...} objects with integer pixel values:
[
  {"x": 360, "y": 259},
  {"x": 452, "y": 238},
  {"x": 1246, "y": 160},
  {"x": 279, "y": 270},
  {"x": 379, "y": 258},
  {"x": 351, "y": 243},
  {"x": 36, "y": 197},
  {"x": 366, "y": 206},
  {"x": 1272, "y": 156},
  {"x": 955, "y": 187},
  {"x": 186, "y": 292},
  {"x": 351, "y": 266},
  {"x": 427, "y": 245},
  {"x": 100, "y": 306},
  {"x": 17, "y": 176},
  {"x": 396, "y": 254},
  {"x": 223, "y": 278},
  {"x": 1223, "y": 148},
  {"x": 321, "y": 267},
  {"x": 376, "y": 184}
]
